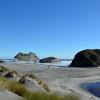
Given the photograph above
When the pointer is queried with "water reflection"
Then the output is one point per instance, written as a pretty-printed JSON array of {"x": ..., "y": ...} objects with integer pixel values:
[{"x": 93, "y": 88}]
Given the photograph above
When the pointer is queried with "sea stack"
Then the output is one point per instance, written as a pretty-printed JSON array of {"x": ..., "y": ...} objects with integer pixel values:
[
  {"x": 49, "y": 60},
  {"x": 26, "y": 57},
  {"x": 86, "y": 58}
]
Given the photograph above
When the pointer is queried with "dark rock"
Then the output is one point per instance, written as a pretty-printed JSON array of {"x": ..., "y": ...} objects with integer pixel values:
[
  {"x": 1, "y": 61},
  {"x": 86, "y": 58},
  {"x": 49, "y": 60},
  {"x": 26, "y": 57}
]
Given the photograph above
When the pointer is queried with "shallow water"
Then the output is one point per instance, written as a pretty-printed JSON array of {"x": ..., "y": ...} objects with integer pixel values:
[
  {"x": 59, "y": 64},
  {"x": 7, "y": 60},
  {"x": 93, "y": 88}
]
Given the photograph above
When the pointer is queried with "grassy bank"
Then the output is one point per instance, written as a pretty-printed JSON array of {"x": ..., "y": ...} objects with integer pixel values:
[
  {"x": 20, "y": 90},
  {"x": 45, "y": 96}
]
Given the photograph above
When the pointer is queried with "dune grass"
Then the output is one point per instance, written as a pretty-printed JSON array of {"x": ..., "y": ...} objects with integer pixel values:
[
  {"x": 13, "y": 86},
  {"x": 46, "y": 96},
  {"x": 39, "y": 81},
  {"x": 16, "y": 88},
  {"x": 3, "y": 69},
  {"x": 20, "y": 90}
]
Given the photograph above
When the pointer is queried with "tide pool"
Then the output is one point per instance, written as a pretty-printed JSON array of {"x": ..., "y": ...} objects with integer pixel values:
[{"x": 93, "y": 88}]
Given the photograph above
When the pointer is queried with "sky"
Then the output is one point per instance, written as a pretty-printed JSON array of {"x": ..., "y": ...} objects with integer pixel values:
[{"x": 59, "y": 28}]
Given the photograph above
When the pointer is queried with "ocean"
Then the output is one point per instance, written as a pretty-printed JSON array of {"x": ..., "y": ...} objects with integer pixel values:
[{"x": 60, "y": 64}]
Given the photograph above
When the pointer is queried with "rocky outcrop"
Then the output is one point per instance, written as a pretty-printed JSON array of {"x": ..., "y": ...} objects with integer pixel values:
[
  {"x": 1, "y": 61},
  {"x": 49, "y": 60},
  {"x": 87, "y": 58},
  {"x": 26, "y": 57}
]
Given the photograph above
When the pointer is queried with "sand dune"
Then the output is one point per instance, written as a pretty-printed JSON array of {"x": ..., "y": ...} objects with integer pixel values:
[
  {"x": 60, "y": 79},
  {"x": 6, "y": 95}
]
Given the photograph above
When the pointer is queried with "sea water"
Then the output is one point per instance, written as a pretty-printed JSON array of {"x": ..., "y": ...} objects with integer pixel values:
[
  {"x": 59, "y": 64},
  {"x": 93, "y": 88}
]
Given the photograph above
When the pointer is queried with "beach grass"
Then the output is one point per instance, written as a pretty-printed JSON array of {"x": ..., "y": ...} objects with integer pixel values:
[
  {"x": 46, "y": 96},
  {"x": 20, "y": 90},
  {"x": 3, "y": 69},
  {"x": 16, "y": 88},
  {"x": 13, "y": 86},
  {"x": 39, "y": 81}
]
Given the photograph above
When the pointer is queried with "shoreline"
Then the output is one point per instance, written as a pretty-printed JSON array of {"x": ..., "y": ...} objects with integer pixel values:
[
  {"x": 61, "y": 79},
  {"x": 76, "y": 85}
]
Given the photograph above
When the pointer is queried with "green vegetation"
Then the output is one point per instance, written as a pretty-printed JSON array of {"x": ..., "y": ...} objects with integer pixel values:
[
  {"x": 39, "y": 81},
  {"x": 20, "y": 90},
  {"x": 45, "y": 96},
  {"x": 13, "y": 86},
  {"x": 3, "y": 69},
  {"x": 16, "y": 88},
  {"x": 45, "y": 86}
]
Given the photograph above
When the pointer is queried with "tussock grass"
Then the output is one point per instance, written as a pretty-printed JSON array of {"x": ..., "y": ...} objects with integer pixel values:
[
  {"x": 12, "y": 74},
  {"x": 20, "y": 90},
  {"x": 39, "y": 81},
  {"x": 3, "y": 82},
  {"x": 45, "y": 86},
  {"x": 3, "y": 69},
  {"x": 45, "y": 96},
  {"x": 16, "y": 88},
  {"x": 13, "y": 86}
]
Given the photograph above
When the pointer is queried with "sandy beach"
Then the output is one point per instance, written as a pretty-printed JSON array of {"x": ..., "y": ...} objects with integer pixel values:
[
  {"x": 51, "y": 48},
  {"x": 6, "y": 95},
  {"x": 60, "y": 79}
]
